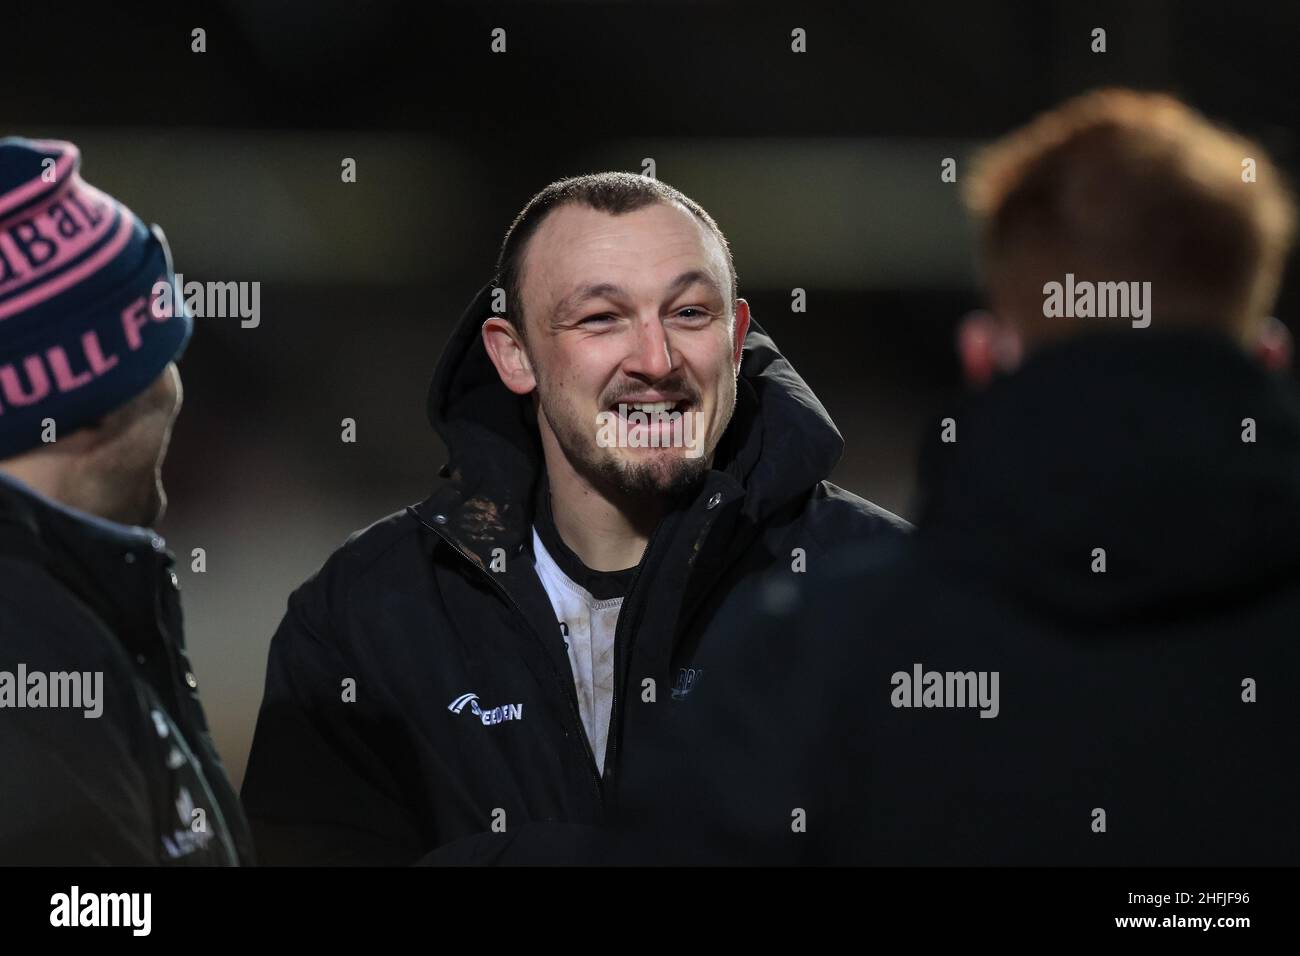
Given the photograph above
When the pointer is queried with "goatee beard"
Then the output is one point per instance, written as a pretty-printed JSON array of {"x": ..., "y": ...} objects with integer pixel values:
[{"x": 650, "y": 480}]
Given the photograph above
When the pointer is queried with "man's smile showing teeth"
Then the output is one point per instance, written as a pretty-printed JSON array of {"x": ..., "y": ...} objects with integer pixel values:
[
  {"x": 664, "y": 423},
  {"x": 673, "y": 406}
]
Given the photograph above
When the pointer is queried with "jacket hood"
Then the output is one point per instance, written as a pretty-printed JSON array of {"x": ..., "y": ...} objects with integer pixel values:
[
  {"x": 1132, "y": 443},
  {"x": 780, "y": 443}
]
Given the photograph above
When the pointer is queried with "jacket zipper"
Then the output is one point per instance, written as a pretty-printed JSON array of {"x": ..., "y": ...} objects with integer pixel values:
[
  {"x": 614, "y": 715},
  {"x": 615, "y": 728},
  {"x": 571, "y": 695}
]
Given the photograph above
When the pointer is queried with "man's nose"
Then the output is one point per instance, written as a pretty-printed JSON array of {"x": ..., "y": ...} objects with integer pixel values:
[{"x": 650, "y": 356}]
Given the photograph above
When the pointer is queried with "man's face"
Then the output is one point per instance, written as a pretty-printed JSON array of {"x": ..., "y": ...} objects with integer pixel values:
[{"x": 624, "y": 314}]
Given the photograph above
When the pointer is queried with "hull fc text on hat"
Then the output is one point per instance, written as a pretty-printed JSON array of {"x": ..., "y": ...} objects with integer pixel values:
[{"x": 79, "y": 333}]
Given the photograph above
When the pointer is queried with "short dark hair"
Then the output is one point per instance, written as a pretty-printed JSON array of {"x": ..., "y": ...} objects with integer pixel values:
[{"x": 614, "y": 193}]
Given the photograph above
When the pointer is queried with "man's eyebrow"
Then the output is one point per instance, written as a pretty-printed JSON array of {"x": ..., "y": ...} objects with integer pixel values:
[
  {"x": 688, "y": 279},
  {"x": 598, "y": 290},
  {"x": 611, "y": 290}
]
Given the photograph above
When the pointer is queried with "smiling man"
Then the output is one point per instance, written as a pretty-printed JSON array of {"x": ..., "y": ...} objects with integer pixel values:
[{"x": 468, "y": 680}]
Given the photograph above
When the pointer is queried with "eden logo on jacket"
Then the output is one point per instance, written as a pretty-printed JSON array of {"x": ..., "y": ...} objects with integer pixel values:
[{"x": 489, "y": 716}]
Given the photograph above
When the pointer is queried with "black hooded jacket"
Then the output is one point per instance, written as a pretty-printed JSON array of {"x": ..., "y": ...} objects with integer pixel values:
[
  {"x": 1115, "y": 531},
  {"x": 135, "y": 779},
  {"x": 463, "y": 742}
]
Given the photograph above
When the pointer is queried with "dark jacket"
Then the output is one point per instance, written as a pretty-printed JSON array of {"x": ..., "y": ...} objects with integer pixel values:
[
  {"x": 411, "y": 611},
  {"x": 1123, "y": 690},
  {"x": 80, "y": 595}
]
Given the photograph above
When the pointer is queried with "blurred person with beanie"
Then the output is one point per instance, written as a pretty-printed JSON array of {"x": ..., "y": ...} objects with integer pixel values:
[{"x": 107, "y": 755}]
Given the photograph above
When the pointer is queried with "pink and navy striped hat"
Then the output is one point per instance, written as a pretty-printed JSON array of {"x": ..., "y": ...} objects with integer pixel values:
[{"x": 82, "y": 329}]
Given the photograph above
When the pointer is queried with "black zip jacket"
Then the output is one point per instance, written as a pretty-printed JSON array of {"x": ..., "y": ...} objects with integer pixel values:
[
  {"x": 420, "y": 705},
  {"x": 79, "y": 595}
]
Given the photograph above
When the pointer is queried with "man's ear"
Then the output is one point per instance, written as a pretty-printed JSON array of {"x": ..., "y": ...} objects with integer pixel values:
[
  {"x": 505, "y": 347},
  {"x": 739, "y": 332},
  {"x": 985, "y": 347},
  {"x": 1273, "y": 346}
]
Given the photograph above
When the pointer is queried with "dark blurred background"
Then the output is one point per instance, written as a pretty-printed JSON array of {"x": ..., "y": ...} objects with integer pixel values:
[{"x": 822, "y": 168}]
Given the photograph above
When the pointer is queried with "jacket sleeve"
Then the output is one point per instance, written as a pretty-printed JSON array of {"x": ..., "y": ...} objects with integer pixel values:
[
  {"x": 75, "y": 792},
  {"x": 318, "y": 790}
]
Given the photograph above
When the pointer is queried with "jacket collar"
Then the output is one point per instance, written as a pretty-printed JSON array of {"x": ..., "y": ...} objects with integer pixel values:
[
  {"x": 114, "y": 568},
  {"x": 1129, "y": 442}
]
